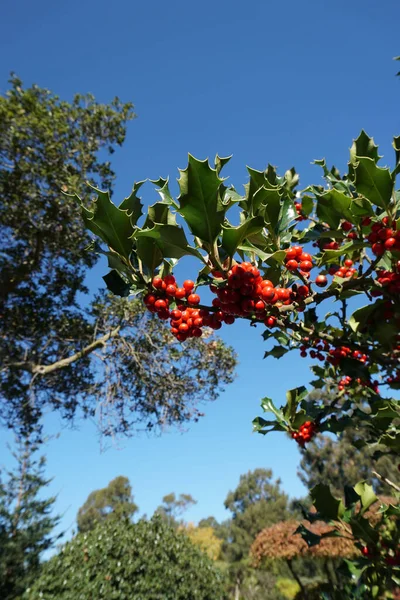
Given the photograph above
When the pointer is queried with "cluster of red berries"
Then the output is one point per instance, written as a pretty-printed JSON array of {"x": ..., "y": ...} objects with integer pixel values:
[
  {"x": 390, "y": 280},
  {"x": 305, "y": 433},
  {"x": 347, "y": 381},
  {"x": 243, "y": 292},
  {"x": 297, "y": 259},
  {"x": 185, "y": 320},
  {"x": 383, "y": 237},
  {"x": 316, "y": 347},
  {"x": 335, "y": 355},
  {"x": 345, "y": 271},
  {"x": 299, "y": 210}
]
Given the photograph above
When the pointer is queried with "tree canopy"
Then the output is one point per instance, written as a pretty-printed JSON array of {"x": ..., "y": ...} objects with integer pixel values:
[
  {"x": 113, "y": 501},
  {"x": 26, "y": 520},
  {"x": 118, "y": 559},
  {"x": 61, "y": 347}
]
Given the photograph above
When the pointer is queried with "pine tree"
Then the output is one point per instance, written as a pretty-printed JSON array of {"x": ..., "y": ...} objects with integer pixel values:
[{"x": 26, "y": 520}]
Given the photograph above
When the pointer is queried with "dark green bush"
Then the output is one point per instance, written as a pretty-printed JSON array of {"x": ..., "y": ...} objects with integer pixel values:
[{"x": 119, "y": 560}]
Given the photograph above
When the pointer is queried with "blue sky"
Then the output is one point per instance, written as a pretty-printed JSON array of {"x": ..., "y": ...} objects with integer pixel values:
[{"x": 281, "y": 82}]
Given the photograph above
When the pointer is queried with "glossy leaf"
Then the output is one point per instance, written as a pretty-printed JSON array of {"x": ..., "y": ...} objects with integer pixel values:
[
  {"x": 373, "y": 182},
  {"x": 200, "y": 202}
]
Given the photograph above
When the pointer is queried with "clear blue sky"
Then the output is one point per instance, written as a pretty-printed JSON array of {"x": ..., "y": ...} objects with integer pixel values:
[{"x": 281, "y": 82}]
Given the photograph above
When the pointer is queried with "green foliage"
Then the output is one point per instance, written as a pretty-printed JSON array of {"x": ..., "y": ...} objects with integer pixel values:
[
  {"x": 26, "y": 522},
  {"x": 101, "y": 357},
  {"x": 173, "y": 507},
  {"x": 353, "y": 221},
  {"x": 121, "y": 560},
  {"x": 339, "y": 463},
  {"x": 114, "y": 501}
]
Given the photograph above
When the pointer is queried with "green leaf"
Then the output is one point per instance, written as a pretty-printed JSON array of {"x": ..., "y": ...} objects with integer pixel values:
[
  {"x": 132, "y": 204},
  {"x": 276, "y": 352},
  {"x": 116, "y": 284},
  {"x": 333, "y": 206},
  {"x": 310, "y": 538},
  {"x": 329, "y": 256},
  {"x": 287, "y": 214},
  {"x": 148, "y": 253},
  {"x": 362, "y": 529},
  {"x": 200, "y": 202},
  {"x": 307, "y": 205},
  {"x": 364, "y": 146},
  {"x": 367, "y": 496},
  {"x": 220, "y": 162},
  {"x": 391, "y": 440},
  {"x": 268, "y": 406},
  {"x": 360, "y": 317},
  {"x": 373, "y": 182},
  {"x": 327, "y": 505},
  {"x": 170, "y": 239},
  {"x": 293, "y": 398},
  {"x": 232, "y": 237},
  {"x": 163, "y": 191},
  {"x": 110, "y": 223},
  {"x": 159, "y": 213}
]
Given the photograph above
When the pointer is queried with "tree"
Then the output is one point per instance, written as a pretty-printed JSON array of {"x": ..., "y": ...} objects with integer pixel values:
[
  {"x": 261, "y": 271},
  {"x": 256, "y": 503},
  {"x": 173, "y": 507},
  {"x": 339, "y": 463},
  {"x": 61, "y": 349},
  {"x": 114, "y": 501},
  {"x": 26, "y": 522},
  {"x": 206, "y": 539},
  {"x": 141, "y": 561}
]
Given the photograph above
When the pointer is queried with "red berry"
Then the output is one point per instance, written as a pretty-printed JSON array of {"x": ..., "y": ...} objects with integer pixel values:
[
  {"x": 389, "y": 243},
  {"x": 306, "y": 265},
  {"x": 346, "y": 226},
  {"x": 180, "y": 293},
  {"x": 292, "y": 265},
  {"x": 160, "y": 304},
  {"x": 270, "y": 321},
  {"x": 176, "y": 314},
  {"x": 291, "y": 253},
  {"x": 193, "y": 299},
  {"x": 158, "y": 283},
  {"x": 321, "y": 280},
  {"x": 188, "y": 284},
  {"x": 149, "y": 299},
  {"x": 170, "y": 289},
  {"x": 169, "y": 280},
  {"x": 348, "y": 262},
  {"x": 303, "y": 291}
]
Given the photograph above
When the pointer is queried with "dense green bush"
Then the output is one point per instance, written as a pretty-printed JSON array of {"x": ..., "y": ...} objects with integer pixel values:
[{"x": 120, "y": 560}]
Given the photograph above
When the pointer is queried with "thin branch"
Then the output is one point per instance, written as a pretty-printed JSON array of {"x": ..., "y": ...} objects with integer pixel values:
[
  {"x": 387, "y": 481},
  {"x": 65, "y": 362}
]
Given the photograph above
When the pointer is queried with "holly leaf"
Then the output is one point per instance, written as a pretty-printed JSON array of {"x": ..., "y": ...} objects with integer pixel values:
[
  {"x": 360, "y": 317},
  {"x": 200, "y": 202},
  {"x": 366, "y": 494},
  {"x": 268, "y": 406},
  {"x": 163, "y": 191},
  {"x": 334, "y": 205},
  {"x": 220, "y": 162},
  {"x": 276, "y": 352},
  {"x": 326, "y": 504},
  {"x": 233, "y": 237},
  {"x": 364, "y": 146},
  {"x": 116, "y": 284},
  {"x": 293, "y": 399},
  {"x": 132, "y": 204},
  {"x": 310, "y": 538},
  {"x": 109, "y": 222},
  {"x": 148, "y": 253},
  {"x": 159, "y": 213},
  {"x": 373, "y": 182},
  {"x": 287, "y": 214},
  {"x": 170, "y": 239}
]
